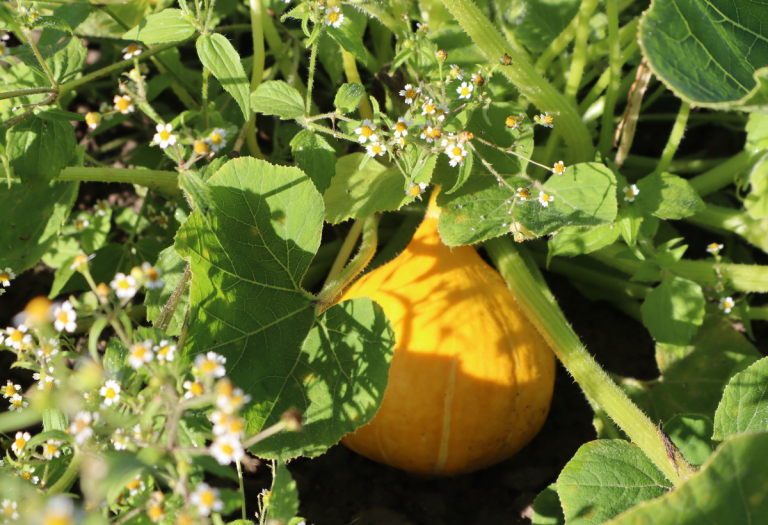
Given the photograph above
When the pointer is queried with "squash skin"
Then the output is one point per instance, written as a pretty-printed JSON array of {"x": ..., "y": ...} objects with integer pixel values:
[{"x": 471, "y": 379}]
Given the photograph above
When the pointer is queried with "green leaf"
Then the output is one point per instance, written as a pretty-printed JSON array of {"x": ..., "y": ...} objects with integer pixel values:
[
  {"x": 541, "y": 21},
  {"x": 691, "y": 434},
  {"x": 464, "y": 171},
  {"x": 171, "y": 266},
  {"x": 52, "y": 22},
  {"x": 217, "y": 54},
  {"x": 667, "y": 196},
  {"x": 547, "y": 509},
  {"x": 95, "y": 235},
  {"x": 55, "y": 114},
  {"x": 246, "y": 304},
  {"x": 165, "y": 26},
  {"x": 756, "y": 202},
  {"x": 348, "y": 36},
  {"x": 315, "y": 157},
  {"x": 709, "y": 53},
  {"x": 730, "y": 489},
  {"x": 65, "y": 59},
  {"x": 744, "y": 407},
  {"x": 577, "y": 241},
  {"x": 348, "y": 97},
  {"x": 359, "y": 192},
  {"x": 275, "y": 97},
  {"x": 284, "y": 497},
  {"x": 674, "y": 310},
  {"x": 605, "y": 478},
  {"x": 38, "y": 150},
  {"x": 757, "y": 133}
]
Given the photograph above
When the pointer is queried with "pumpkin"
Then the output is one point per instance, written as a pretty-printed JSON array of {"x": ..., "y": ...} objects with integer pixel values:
[{"x": 471, "y": 379}]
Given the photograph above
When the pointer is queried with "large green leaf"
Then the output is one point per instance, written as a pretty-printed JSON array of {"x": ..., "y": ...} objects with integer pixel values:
[
  {"x": 217, "y": 54},
  {"x": 171, "y": 266},
  {"x": 667, "y": 196},
  {"x": 276, "y": 97},
  {"x": 38, "y": 149},
  {"x": 744, "y": 407},
  {"x": 284, "y": 496},
  {"x": 32, "y": 221},
  {"x": 347, "y": 35},
  {"x": 315, "y": 157},
  {"x": 547, "y": 509},
  {"x": 64, "y": 59},
  {"x": 246, "y": 303},
  {"x": 607, "y": 477},
  {"x": 674, "y": 310},
  {"x": 730, "y": 489},
  {"x": 165, "y": 26},
  {"x": 710, "y": 52}
]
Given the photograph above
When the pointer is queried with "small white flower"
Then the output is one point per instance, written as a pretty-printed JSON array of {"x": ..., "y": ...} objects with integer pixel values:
[
  {"x": 414, "y": 190},
  {"x": 457, "y": 72},
  {"x": 80, "y": 259},
  {"x": 376, "y": 149},
  {"x": 727, "y": 304},
  {"x": 110, "y": 392},
  {"x": 164, "y": 137},
  {"x": 136, "y": 485},
  {"x": 133, "y": 50},
  {"x": 17, "y": 403},
  {"x": 429, "y": 107},
  {"x": 18, "y": 338},
  {"x": 545, "y": 199},
  {"x": 227, "y": 424},
  {"x": 714, "y": 248},
  {"x": 523, "y": 194},
  {"x": 123, "y": 104},
  {"x": 401, "y": 127},
  {"x": 140, "y": 354},
  {"x": 206, "y": 499},
  {"x": 6, "y": 276},
  {"x": 193, "y": 389},
  {"x": 30, "y": 13},
  {"x": 102, "y": 205},
  {"x": 48, "y": 348},
  {"x": 441, "y": 111},
  {"x": 410, "y": 93},
  {"x": 333, "y": 17},
  {"x": 228, "y": 398},
  {"x": 211, "y": 365},
  {"x": 226, "y": 449},
  {"x": 81, "y": 427},
  {"x": 45, "y": 379},
  {"x": 424, "y": 28},
  {"x": 559, "y": 168},
  {"x": 165, "y": 351},
  {"x": 26, "y": 474},
  {"x": 119, "y": 439},
  {"x": 65, "y": 318},
  {"x": 152, "y": 276},
  {"x": 545, "y": 120},
  {"x": 19, "y": 442},
  {"x": 51, "y": 449},
  {"x": 366, "y": 132},
  {"x": 124, "y": 286},
  {"x": 456, "y": 153},
  {"x": 8, "y": 510},
  {"x": 465, "y": 90},
  {"x": 217, "y": 139},
  {"x": 10, "y": 389},
  {"x": 630, "y": 193}
]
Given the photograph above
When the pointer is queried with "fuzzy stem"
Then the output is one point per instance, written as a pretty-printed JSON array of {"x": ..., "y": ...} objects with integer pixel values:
[
  {"x": 346, "y": 250},
  {"x": 169, "y": 309},
  {"x": 66, "y": 479},
  {"x": 333, "y": 289},
  {"x": 40, "y": 59},
  {"x": 204, "y": 105},
  {"x": 723, "y": 174},
  {"x": 541, "y": 309},
  {"x": 25, "y": 92},
  {"x": 523, "y": 75},
  {"x": 579, "y": 50},
  {"x": 674, "y": 138},
  {"x": 614, "y": 70},
  {"x": 311, "y": 78}
]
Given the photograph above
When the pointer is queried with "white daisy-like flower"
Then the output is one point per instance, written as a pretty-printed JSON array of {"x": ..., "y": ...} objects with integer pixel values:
[
  {"x": 81, "y": 259},
  {"x": 48, "y": 348},
  {"x": 230, "y": 424},
  {"x": 414, "y": 190},
  {"x": 333, "y": 17},
  {"x": 217, "y": 139},
  {"x": 228, "y": 398},
  {"x": 164, "y": 136},
  {"x": 440, "y": 112},
  {"x": 81, "y": 427},
  {"x": 26, "y": 473},
  {"x": 431, "y": 133},
  {"x": 119, "y": 440},
  {"x": 152, "y": 275},
  {"x": 211, "y": 365},
  {"x": 401, "y": 127},
  {"x": 714, "y": 248},
  {"x": 110, "y": 392},
  {"x": 193, "y": 389},
  {"x": 45, "y": 379},
  {"x": 165, "y": 351},
  {"x": 456, "y": 153},
  {"x": 18, "y": 338},
  {"x": 366, "y": 132},
  {"x": 20, "y": 442},
  {"x": 545, "y": 199},
  {"x": 465, "y": 90},
  {"x": 429, "y": 107},
  {"x": 376, "y": 149},
  {"x": 136, "y": 485},
  {"x": 226, "y": 449},
  {"x": 546, "y": 120},
  {"x": 8, "y": 510},
  {"x": 51, "y": 449},
  {"x": 102, "y": 205},
  {"x": 123, "y": 104},
  {"x": 424, "y": 28},
  {"x": 140, "y": 354},
  {"x": 65, "y": 318},
  {"x": 93, "y": 119},
  {"x": 133, "y": 50},
  {"x": 630, "y": 193},
  {"x": 410, "y": 93},
  {"x": 10, "y": 389},
  {"x": 206, "y": 499},
  {"x": 6, "y": 276},
  {"x": 457, "y": 72},
  {"x": 523, "y": 194},
  {"x": 559, "y": 168},
  {"x": 31, "y": 13},
  {"x": 17, "y": 403},
  {"x": 124, "y": 286},
  {"x": 82, "y": 223},
  {"x": 143, "y": 435},
  {"x": 513, "y": 122},
  {"x": 727, "y": 304}
]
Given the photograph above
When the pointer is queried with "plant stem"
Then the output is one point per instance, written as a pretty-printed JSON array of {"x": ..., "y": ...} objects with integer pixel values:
[
  {"x": 723, "y": 174},
  {"x": 346, "y": 250},
  {"x": 311, "y": 78},
  {"x": 523, "y": 75},
  {"x": 204, "y": 105},
  {"x": 759, "y": 313},
  {"x": 538, "y": 304},
  {"x": 718, "y": 218},
  {"x": 557, "y": 46},
  {"x": 350, "y": 69},
  {"x": 25, "y": 92},
  {"x": 614, "y": 70},
  {"x": 629, "y": 123},
  {"x": 242, "y": 487},
  {"x": 257, "y": 31},
  {"x": 579, "y": 57},
  {"x": 674, "y": 138},
  {"x": 333, "y": 289},
  {"x": 33, "y": 45},
  {"x": 165, "y": 181},
  {"x": 66, "y": 479},
  {"x": 169, "y": 309}
]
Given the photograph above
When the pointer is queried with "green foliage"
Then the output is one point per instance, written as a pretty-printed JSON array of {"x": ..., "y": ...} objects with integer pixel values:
[
  {"x": 166, "y": 26},
  {"x": 315, "y": 157},
  {"x": 744, "y": 407},
  {"x": 275, "y": 97},
  {"x": 541, "y": 21},
  {"x": 171, "y": 267},
  {"x": 691, "y": 434},
  {"x": 547, "y": 509},
  {"x": 217, "y": 54},
  {"x": 39, "y": 149},
  {"x": 667, "y": 197},
  {"x": 283, "y": 498},
  {"x": 674, "y": 311},
  {"x": 348, "y": 97},
  {"x": 348, "y": 36}
]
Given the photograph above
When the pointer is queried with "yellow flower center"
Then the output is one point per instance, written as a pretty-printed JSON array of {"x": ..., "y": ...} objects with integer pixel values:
[
  {"x": 216, "y": 138},
  {"x": 630, "y": 193},
  {"x": 548, "y": 120},
  {"x": 20, "y": 442},
  {"x": 424, "y": 27},
  {"x": 110, "y": 393},
  {"x": 208, "y": 366},
  {"x": 10, "y": 390},
  {"x": 376, "y": 149},
  {"x": 714, "y": 246},
  {"x": 80, "y": 425},
  {"x": 400, "y": 127},
  {"x": 63, "y": 316},
  {"x": 479, "y": 80},
  {"x": 196, "y": 388},
  {"x": 8, "y": 509},
  {"x": 415, "y": 190},
  {"x": 163, "y": 351},
  {"x": 132, "y": 48},
  {"x": 227, "y": 449},
  {"x": 123, "y": 284},
  {"x": 165, "y": 135},
  {"x": 26, "y": 475},
  {"x": 208, "y": 498},
  {"x": 123, "y": 104},
  {"x": 236, "y": 425},
  {"x": 152, "y": 274},
  {"x": 5, "y": 276},
  {"x": 429, "y": 108},
  {"x": 524, "y": 194},
  {"x": 465, "y": 91},
  {"x": 545, "y": 197},
  {"x": 201, "y": 147},
  {"x": 155, "y": 512},
  {"x": 435, "y": 133},
  {"x": 411, "y": 93},
  {"x": 50, "y": 449},
  {"x": 559, "y": 169},
  {"x": 17, "y": 336},
  {"x": 457, "y": 151},
  {"x": 366, "y": 131},
  {"x": 139, "y": 351},
  {"x": 17, "y": 403},
  {"x": 333, "y": 17},
  {"x": 132, "y": 485}
]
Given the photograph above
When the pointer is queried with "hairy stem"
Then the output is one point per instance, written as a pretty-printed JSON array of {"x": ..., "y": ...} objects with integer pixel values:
[{"x": 674, "y": 138}]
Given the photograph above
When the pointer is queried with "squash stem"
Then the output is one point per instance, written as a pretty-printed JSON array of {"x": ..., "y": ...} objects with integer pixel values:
[
  {"x": 539, "y": 305},
  {"x": 333, "y": 289}
]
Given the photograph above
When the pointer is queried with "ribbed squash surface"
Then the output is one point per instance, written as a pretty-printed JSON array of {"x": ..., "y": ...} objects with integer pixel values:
[{"x": 471, "y": 379}]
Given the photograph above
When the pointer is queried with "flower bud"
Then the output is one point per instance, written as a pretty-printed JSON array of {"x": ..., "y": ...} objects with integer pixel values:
[{"x": 441, "y": 55}]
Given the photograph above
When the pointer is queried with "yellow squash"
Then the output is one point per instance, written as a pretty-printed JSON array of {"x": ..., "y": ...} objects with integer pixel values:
[{"x": 471, "y": 379}]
